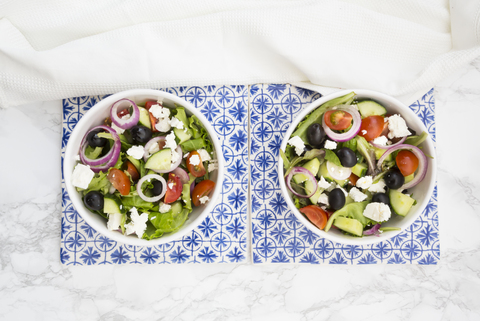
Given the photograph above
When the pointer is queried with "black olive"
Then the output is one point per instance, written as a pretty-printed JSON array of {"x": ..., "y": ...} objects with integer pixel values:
[
  {"x": 405, "y": 191},
  {"x": 315, "y": 135},
  {"x": 94, "y": 201},
  {"x": 394, "y": 179},
  {"x": 381, "y": 198},
  {"x": 336, "y": 199},
  {"x": 140, "y": 134},
  {"x": 157, "y": 188},
  {"x": 94, "y": 140},
  {"x": 347, "y": 157}
]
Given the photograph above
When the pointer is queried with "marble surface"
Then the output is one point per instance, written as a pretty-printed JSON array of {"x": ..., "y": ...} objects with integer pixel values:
[{"x": 34, "y": 285}]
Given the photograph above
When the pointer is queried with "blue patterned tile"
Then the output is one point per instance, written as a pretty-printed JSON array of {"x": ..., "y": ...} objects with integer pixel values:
[
  {"x": 277, "y": 236},
  {"x": 220, "y": 238}
]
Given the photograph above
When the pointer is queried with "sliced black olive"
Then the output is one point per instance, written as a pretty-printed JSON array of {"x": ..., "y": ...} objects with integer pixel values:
[
  {"x": 94, "y": 140},
  {"x": 157, "y": 188},
  {"x": 140, "y": 134},
  {"x": 315, "y": 135},
  {"x": 94, "y": 201},
  {"x": 381, "y": 198},
  {"x": 394, "y": 179},
  {"x": 347, "y": 157},
  {"x": 336, "y": 199}
]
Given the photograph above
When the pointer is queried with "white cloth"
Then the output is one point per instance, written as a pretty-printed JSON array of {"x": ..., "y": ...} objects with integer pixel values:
[{"x": 54, "y": 49}]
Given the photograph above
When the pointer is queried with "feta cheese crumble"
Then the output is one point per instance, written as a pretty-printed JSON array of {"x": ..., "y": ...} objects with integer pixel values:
[
  {"x": 163, "y": 125},
  {"x": 364, "y": 132},
  {"x": 154, "y": 148},
  {"x": 138, "y": 223},
  {"x": 117, "y": 129},
  {"x": 397, "y": 127},
  {"x": 170, "y": 185},
  {"x": 164, "y": 208},
  {"x": 298, "y": 143},
  {"x": 364, "y": 182},
  {"x": 82, "y": 176},
  {"x": 330, "y": 144},
  {"x": 213, "y": 165},
  {"x": 204, "y": 155},
  {"x": 114, "y": 221},
  {"x": 381, "y": 140},
  {"x": 77, "y": 157},
  {"x": 136, "y": 151},
  {"x": 175, "y": 156},
  {"x": 378, "y": 187},
  {"x": 379, "y": 212},
  {"x": 170, "y": 141},
  {"x": 159, "y": 111},
  {"x": 357, "y": 195},
  {"x": 175, "y": 122},
  {"x": 323, "y": 199},
  {"x": 323, "y": 183},
  {"x": 204, "y": 199},
  {"x": 194, "y": 160}
]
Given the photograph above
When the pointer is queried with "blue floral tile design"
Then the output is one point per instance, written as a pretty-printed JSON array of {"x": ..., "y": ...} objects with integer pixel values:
[
  {"x": 220, "y": 238},
  {"x": 277, "y": 236}
]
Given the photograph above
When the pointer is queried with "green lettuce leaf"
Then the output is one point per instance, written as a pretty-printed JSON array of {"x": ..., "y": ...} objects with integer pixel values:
[
  {"x": 368, "y": 152},
  {"x": 332, "y": 157},
  {"x": 99, "y": 182},
  {"x": 194, "y": 144},
  {"x": 138, "y": 202},
  {"x": 416, "y": 140},
  {"x": 352, "y": 144},
  {"x": 318, "y": 153}
]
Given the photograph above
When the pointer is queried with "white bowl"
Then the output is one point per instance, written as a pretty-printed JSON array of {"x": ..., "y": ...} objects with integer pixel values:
[
  {"x": 422, "y": 192},
  {"x": 95, "y": 116}
]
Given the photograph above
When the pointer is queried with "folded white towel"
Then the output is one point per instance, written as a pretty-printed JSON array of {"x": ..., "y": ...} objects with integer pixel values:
[{"x": 55, "y": 49}]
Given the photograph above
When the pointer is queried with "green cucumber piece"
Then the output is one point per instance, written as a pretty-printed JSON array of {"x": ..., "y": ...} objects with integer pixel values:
[
  {"x": 323, "y": 171},
  {"x": 161, "y": 160},
  {"x": 401, "y": 203},
  {"x": 409, "y": 178},
  {"x": 111, "y": 204},
  {"x": 360, "y": 169},
  {"x": 144, "y": 118},
  {"x": 182, "y": 134},
  {"x": 349, "y": 225},
  {"x": 370, "y": 108},
  {"x": 312, "y": 166},
  {"x": 379, "y": 153},
  {"x": 352, "y": 210}
]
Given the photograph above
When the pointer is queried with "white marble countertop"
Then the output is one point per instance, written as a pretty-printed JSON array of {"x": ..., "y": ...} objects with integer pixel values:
[{"x": 34, "y": 285}]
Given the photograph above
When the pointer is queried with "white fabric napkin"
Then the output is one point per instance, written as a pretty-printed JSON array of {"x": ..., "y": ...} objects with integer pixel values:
[{"x": 54, "y": 49}]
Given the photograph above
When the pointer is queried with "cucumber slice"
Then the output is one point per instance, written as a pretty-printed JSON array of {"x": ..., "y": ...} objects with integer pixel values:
[
  {"x": 144, "y": 118},
  {"x": 111, "y": 204},
  {"x": 409, "y": 178},
  {"x": 360, "y": 169},
  {"x": 379, "y": 152},
  {"x": 161, "y": 160},
  {"x": 312, "y": 166},
  {"x": 401, "y": 203},
  {"x": 323, "y": 171},
  {"x": 182, "y": 135},
  {"x": 349, "y": 225},
  {"x": 309, "y": 188},
  {"x": 371, "y": 108}
]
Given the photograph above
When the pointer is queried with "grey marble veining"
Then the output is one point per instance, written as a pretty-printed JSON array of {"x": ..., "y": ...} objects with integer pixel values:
[{"x": 35, "y": 286}]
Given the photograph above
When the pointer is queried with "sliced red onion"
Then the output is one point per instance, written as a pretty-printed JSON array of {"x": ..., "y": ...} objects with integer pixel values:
[
  {"x": 124, "y": 123},
  {"x": 304, "y": 171},
  {"x": 182, "y": 174},
  {"x": 149, "y": 177},
  {"x": 107, "y": 161},
  {"x": 192, "y": 186},
  {"x": 373, "y": 230},
  {"x": 150, "y": 143},
  {"x": 174, "y": 165},
  {"x": 389, "y": 146},
  {"x": 343, "y": 137},
  {"x": 422, "y": 163},
  {"x": 338, "y": 172}
]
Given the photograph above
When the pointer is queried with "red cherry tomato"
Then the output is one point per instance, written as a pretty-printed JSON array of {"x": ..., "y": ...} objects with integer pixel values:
[
  {"x": 202, "y": 189},
  {"x": 407, "y": 162},
  {"x": 119, "y": 180},
  {"x": 371, "y": 127},
  {"x": 195, "y": 170},
  {"x": 153, "y": 119},
  {"x": 353, "y": 179},
  {"x": 338, "y": 119},
  {"x": 122, "y": 113},
  {"x": 174, "y": 189},
  {"x": 132, "y": 170},
  {"x": 316, "y": 215}
]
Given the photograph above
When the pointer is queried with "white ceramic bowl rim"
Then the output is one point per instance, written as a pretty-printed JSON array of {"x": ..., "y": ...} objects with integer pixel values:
[
  {"x": 90, "y": 119},
  {"x": 413, "y": 122}
]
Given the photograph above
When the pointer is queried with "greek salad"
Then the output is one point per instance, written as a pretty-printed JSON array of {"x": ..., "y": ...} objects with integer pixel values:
[
  {"x": 350, "y": 163},
  {"x": 145, "y": 168}
]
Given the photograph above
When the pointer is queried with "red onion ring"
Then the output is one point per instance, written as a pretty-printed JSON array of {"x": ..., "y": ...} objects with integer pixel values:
[
  {"x": 174, "y": 165},
  {"x": 373, "y": 230},
  {"x": 155, "y": 198},
  {"x": 192, "y": 187},
  {"x": 124, "y": 123},
  {"x": 106, "y": 161},
  {"x": 389, "y": 146},
  {"x": 149, "y": 144},
  {"x": 306, "y": 172},
  {"x": 357, "y": 121},
  {"x": 422, "y": 163},
  {"x": 182, "y": 174}
]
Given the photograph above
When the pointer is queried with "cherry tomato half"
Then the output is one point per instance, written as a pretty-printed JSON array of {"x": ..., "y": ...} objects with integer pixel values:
[
  {"x": 407, "y": 162},
  {"x": 122, "y": 113},
  {"x": 316, "y": 215},
  {"x": 174, "y": 189},
  {"x": 132, "y": 170},
  {"x": 119, "y": 180},
  {"x": 371, "y": 127},
  {"x": 353, "y": 179},
  {"x": 153, "y": 119},
  {"x": 195, "y": 170},
  {"x": 202, "y": 189},
  {"x": 338, "y": 119}
]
